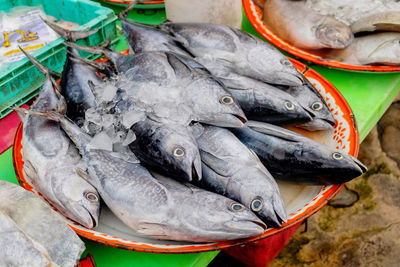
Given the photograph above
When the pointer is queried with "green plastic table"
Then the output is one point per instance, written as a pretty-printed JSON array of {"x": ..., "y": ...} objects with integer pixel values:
[{"x": 369, "y": 95}]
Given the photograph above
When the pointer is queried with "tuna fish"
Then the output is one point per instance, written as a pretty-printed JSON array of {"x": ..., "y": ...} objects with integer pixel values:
[
  {"x": 233, "y": 170},
  {"x": 37, "y": 220},
  {"x": 162, "y": 209},
  {"x": 50, "y": 159},
  {"x": 293, "y": 157}
]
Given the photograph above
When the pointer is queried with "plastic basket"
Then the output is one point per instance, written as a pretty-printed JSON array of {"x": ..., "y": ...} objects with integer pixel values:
[{"x": 20, "y": 80}]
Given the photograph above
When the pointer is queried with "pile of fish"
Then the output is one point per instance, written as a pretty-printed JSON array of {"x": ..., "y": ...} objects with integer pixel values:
[
  {"x": 32, "y": 233},
  {"x": 355, "y": 32},
  {"x": 163, "y": 138}
]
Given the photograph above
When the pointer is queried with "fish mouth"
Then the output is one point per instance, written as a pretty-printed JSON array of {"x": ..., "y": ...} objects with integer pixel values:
[
  {"x": 289, "y": 79},
  {"x": 196, "y": 169},
  {"x": 250, "y": 227},
  {"x": 333, "y": 36},
  {"x": 318, "y": 124},
  {"x": 92, "y": 222},
  {"x": 360, "y": 165},
  {"x": 229, "y": 120}
]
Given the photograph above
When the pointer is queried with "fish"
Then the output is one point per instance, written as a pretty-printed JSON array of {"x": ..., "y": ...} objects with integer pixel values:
[
  {"x": 362, "y": 16},
  {"x": 301, "y": 26},
  {"x": 41, "y": 223},
  {"x": 309, "y": 98},
  {"x": 18, "y": 249},
  {"x": 75, "y": 87},
  {"x": 233, "y": 170},
  {"x": 261, "y": 101},
  {"x": 50, "y": 159},
  {"x": 292, "y": 157},
  {"x": 143, "y": 38},
  {"x": 155, "y": 208},
  {"x": 169, "y": 148},
  {"x": 238, "y": 51},
  {"x": 373, "y": 49},
  {"x": 161, "y": 78}
]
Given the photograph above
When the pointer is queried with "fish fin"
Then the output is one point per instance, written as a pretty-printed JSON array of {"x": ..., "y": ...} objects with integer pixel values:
[
  {"x": 381, "y": 46},
  {"x": 42, "y": 68},
  {"x": 151, "y": 229},
  {"x": 392, "y": 27},
  {"x": 21, "y": 114},
  {"x": 67, "y": 34},
  {"x": 122, "y": 15},
  {"x": 51, "y": 115},
  {"x": 103, "y": 67},
  {"x": 273, "y": 130},
  {"x": 214, "y": 163}
]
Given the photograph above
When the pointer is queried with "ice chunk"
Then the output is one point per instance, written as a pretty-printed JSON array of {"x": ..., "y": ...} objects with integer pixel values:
[
  {"x": 131, "y": 117},
  {"x": 101, "y": 141},
  {"x": 130, "y": 137},
  {"x": 92, "y": 115}
]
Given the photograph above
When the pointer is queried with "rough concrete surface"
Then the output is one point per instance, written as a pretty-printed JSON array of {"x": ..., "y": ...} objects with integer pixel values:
[{"x": 368, "y": 232}]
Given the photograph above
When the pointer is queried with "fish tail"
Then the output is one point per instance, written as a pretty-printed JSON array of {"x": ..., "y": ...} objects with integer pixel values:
[
  {"x": 68, "y": 35},
  {"x": 123, "y": 14},
  {"x": 51, "y": 115},
  {"x": 104, "y": 67},
  {"x": 41, "y": 67},
  {"x": 91, "y": 49}
]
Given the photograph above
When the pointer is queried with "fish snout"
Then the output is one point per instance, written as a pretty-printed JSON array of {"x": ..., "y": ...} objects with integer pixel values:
[
  {"x": 247, "y": 227},
  {"x": 334, "y": 36},
  {"x": 289, "y": 78}
]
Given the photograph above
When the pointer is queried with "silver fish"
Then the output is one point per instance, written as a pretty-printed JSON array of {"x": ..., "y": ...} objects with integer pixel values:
[
  {"x": 159, "y": 209},
  {"x": 296, "y": 23},
  {"x": 309, "y": 98},
  {"x": 50, "y": 159},
  {"x": 41, "y": 223},
  {"x": 233, "y": 170},
  {"x": 169, "y": 148},
  {"x": 236, "y": 50},
  {"x": 18, "y": 249},
  {"x": 293, "y": 157},
  {"x": 144, "y": 38},
  {"x": 372, "y": 49},
  {"x": 263, "y": 102},
  {"x": 75, "y": 87}
]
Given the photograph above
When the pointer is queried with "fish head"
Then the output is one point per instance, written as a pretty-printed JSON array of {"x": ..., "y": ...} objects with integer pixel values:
[
  {"x": 213, "y": 105},
  {"x": 270, "y": 66},
  {"x": 172, "y": 148},
  {"x": 261, "y": 195},
  {"x": 282, "y": 109},
  {"x": 219, "y": 218},
  {"x": 332, "y": 33},
  {"x": 315, "y": 104},
  {"x": 80, "y": 199},
  {"x": 334, "y": 165}
]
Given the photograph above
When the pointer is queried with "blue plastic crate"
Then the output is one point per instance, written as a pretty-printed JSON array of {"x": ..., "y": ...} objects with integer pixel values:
[{"x": 20, "y": 80}]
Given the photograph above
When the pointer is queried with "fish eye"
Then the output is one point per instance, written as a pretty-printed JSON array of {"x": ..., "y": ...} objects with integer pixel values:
[
  {"x": 316, "y": 106},
  {"x": 179, "y": 152},
  {"x": 237, "y": 207},
  {"x": 256, "y": 204},
  {"x": 228, "y": 100},
  {"x": 285, "y": 62},
  {"x": 92, "y": 197},
  {"x": 337, "y": 156},
  {"x": 289, "y": 105}
]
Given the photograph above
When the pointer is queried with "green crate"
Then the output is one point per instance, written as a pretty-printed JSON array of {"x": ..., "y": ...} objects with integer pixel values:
[{"x": 20, "y": 80}]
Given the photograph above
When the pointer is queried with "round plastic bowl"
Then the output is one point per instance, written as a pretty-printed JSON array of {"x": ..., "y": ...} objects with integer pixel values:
[
  {"x": 254, "y": 13},
  {"x": 301, "y": 201}
]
